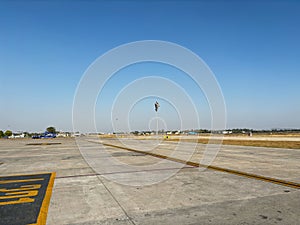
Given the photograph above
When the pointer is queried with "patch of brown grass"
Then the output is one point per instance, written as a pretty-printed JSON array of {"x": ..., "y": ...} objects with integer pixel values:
[{"x": 255, "y": 143}]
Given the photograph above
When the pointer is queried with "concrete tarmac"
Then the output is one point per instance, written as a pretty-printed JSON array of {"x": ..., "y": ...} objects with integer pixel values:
[{"x": 141, "y": 189}]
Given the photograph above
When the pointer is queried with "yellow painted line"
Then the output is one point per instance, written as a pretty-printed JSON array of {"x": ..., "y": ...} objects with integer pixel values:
[
  {"x": 20, "y": 194},
  {"x": 20, "y": 174},
  {"x": 22, "y": 188},
  {"x": 216, "y": 168},
  {"x": 19, "y": 181},
  {"x": 42, "y": 217},
  {"x": 20, "y": 201}
]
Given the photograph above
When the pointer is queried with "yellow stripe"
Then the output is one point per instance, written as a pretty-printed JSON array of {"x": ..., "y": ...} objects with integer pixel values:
[
  {"x": 19, "y": 174},
  {"x": 190, "y": 163},
  {"x": 20, "y": 194},
  {"x": 19, "y": 181},
  {"x": 20, "y": 201},
  {"x": 42, "y": 218},
  {"x": 22, "y": 188}
]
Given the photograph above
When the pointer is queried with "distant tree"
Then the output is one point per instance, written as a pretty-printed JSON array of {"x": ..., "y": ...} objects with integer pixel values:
[
  {"x": 8, "y": 133},
  {"x": 51, "y": 130},
  {"x": 27, "y": 134},
  {"x": 135, "y": 132},
  {"x": 1, "y": 134}
]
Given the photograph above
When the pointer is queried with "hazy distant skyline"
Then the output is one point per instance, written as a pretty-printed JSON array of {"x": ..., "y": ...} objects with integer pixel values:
[{"x": 252, "y": 48}]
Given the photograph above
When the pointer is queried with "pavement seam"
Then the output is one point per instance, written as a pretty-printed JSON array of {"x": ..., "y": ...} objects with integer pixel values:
[
  {"x": 122, "y": 172},
  {"x": 111, "y": 194},
  {"x": 119, "y": 204}
]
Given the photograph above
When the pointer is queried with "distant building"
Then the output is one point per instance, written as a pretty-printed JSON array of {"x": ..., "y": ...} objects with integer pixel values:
[
  {"x": 63, "y": 134},
  {"x": 227, "y": 132},
  {"x": 17, "y": 136}
]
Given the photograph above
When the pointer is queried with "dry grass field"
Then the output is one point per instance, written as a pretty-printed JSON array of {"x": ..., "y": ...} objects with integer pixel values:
[
  {"x": 256, "y": 143},
  {"x": 272, "y": 141},
  {"x": 291, "y": 141}
]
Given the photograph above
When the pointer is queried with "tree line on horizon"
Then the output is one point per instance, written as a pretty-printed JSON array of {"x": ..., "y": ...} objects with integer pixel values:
[
  {"x": 9, "y": 133},
  {"x": 233, "y": 131},
  {"x": 52, "y": 129}
]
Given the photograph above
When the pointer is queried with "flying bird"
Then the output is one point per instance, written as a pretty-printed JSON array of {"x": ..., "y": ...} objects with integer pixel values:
[{"x": 156, "y": 105}]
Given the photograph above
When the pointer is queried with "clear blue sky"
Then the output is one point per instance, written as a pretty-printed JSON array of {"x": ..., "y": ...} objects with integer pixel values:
[{"x": 252, "y": 47}]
